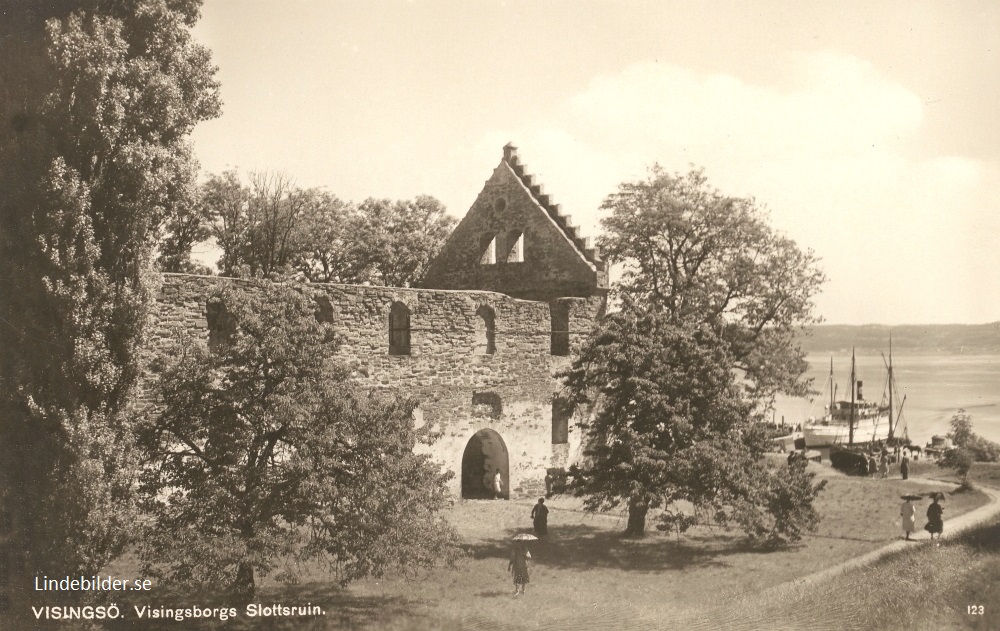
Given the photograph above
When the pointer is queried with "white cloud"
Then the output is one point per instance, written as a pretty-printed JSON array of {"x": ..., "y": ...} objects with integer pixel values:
[{"x": 833, "y": 150}]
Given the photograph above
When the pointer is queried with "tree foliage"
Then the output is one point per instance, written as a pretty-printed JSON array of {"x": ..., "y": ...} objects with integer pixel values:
[
  {"x": 270, "y": 228},
  {"x": 262, "y": 452},
  {"x": 97, "y": 103},
  {"x": 699, "y": 255},
  {"x": 969, "y": 447},
  {"x": 710, "y": 301},
  {"x": 670, "y": 427}
]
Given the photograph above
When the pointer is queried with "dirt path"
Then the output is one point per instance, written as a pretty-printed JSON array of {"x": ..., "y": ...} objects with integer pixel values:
[{"x": 951, "y": 528}]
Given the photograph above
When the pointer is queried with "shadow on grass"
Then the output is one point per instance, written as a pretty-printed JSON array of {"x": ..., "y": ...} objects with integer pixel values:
[
  {"x": 587, "y": 547},
  {"x": 341, "y": 610}
]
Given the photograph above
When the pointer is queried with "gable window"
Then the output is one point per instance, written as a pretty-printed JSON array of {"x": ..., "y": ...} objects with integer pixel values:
[
  {"x": 221, "y": 325},
  {"x": 399, "y": 329},
  {"x": 562, "y": 410},
  {"x": 515, "y": 241},
  {"x": 488, "y": 248},
  {"x": 485, "y": 331},
  {"x": 559, "y": 314}
]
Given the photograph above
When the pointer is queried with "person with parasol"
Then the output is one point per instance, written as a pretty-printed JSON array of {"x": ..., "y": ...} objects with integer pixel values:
[
  {"x": 935, "y": 520},
  {"x": 909, "y": 514},
  {"x": 518, "y": 565}
]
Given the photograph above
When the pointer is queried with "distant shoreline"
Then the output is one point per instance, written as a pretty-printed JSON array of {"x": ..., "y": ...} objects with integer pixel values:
[{"x": 932, "y": 339}]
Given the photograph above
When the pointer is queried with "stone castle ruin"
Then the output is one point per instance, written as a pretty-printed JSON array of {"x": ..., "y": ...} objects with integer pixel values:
[{"x": 512, "y": 294}]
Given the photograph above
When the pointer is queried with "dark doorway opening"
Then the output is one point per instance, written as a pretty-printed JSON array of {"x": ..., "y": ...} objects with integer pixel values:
[{"x": 485, "y": 454}]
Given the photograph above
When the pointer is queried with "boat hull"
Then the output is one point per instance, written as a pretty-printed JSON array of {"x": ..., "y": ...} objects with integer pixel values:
[{"x": 829, "y": 434}]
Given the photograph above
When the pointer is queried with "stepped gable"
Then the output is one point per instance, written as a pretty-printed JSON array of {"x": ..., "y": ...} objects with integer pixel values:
[
  {"x": 515, "y": 240},
  {"x": 583, "y": 245}
]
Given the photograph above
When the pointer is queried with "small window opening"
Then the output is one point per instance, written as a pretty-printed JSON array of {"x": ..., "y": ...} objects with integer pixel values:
[
  {"x": 485, "y": 331},
  {"x": 324, "y": 309},
  {"x": 487, "y": 404},
  {"x": 488, "y": 246},
  {"x": 562, "y": 410},
  {"x": 221, "y": 325},
  {"x": 515, "y": 240},
  {"x": 399, "y": 329},
  {"x": 559, "y": 313}
]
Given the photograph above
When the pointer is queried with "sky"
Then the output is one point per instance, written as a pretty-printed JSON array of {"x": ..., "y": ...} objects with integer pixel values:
[{"x": 868, "y": 129}]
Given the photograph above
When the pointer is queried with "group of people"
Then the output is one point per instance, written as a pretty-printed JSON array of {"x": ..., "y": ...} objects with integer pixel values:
[
  {"x": 519, "y": 553},
  {"x": 878, "y": 464},
  {"x": 935, "y": 515}
]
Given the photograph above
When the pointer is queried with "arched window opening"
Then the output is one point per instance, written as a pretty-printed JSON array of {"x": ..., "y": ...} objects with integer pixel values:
[
  {"x": 562, "y": 410},
  {"x": 487, "y": 404},
  {"x": 399, "y": 329},
  {"x": 559, "y": 313},
  {"x": 221, "y": 325},
  {"x": 515, "y": 241},
  {"x": 485, "y": 331},
  {"x": 488, "y": 249}
]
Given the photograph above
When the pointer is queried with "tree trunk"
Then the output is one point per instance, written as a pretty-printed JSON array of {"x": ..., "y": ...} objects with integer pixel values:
[
  {"x": 636, "y": 519},
  {"x": 243, "y": 588}
]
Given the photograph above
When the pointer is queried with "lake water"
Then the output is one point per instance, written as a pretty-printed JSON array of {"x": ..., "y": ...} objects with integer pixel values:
[{"x": 935, "y": 386}]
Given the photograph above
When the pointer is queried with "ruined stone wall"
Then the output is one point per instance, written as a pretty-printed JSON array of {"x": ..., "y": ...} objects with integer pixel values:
[{"x": 446, "y": 366}]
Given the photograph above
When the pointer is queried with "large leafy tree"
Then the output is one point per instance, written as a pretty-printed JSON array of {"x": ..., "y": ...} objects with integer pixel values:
[
  {"x": 98, "y": 99},
  {"x": 671, "y": 427},
  {"x": 696, "y": 254},
  {"x": 262, "y": 453},
  {"x": 711, "y": 300}
]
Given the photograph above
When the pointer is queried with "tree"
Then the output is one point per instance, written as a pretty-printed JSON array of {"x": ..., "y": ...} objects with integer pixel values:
[
  {"x": 327, "y": 244},
  {"x": 188, "y": 227},
  {"x": 270, "y": 228},
  {"x": 101, "y": 98},
  {"x": 709, "y": 291},
  {"x": 396, "y": 241},
  {"x": 255, "y": 224},
  {"x": 262, "y": 452},
  {"x": 969, "y": 447},
  {"x": 700, "y": 255},
  {"x": 671, "y": 425}
]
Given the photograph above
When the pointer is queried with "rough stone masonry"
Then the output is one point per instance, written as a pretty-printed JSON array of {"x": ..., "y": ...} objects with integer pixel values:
[{"x": 510, "y": 297}]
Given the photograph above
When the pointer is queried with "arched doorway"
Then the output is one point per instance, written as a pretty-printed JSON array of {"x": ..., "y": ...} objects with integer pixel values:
[{"x": 485, "y": 453}]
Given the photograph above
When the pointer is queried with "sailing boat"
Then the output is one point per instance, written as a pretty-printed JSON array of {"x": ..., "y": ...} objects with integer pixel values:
[{"x": 857, "y": 422}]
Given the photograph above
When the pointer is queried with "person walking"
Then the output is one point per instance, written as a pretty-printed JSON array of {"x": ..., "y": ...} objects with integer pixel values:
[
  {"x": 518, "y": 566},
  {"x": 884, "y": 466},
  {"x": 498, "y": 485},
  {"x": 935, "y": 519},
  {"x": 540, "y": 517},
  {"x": 872, "y": 465},
  {"x": 904, "y": 467},
  {"x": 909, "y": 514}
]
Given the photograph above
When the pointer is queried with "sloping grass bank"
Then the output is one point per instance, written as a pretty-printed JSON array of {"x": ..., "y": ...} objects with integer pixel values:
[{"x": 928, "y": 587}]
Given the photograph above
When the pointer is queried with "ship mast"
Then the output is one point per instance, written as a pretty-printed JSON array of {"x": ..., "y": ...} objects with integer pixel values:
[
  {"x": 850, "y": 426},
  {"x": 831, "y": 387},
  {"x": 891, "y": 384}
]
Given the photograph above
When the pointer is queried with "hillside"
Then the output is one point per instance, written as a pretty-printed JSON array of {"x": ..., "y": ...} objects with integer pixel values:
[{"x": 965, "y": 339}]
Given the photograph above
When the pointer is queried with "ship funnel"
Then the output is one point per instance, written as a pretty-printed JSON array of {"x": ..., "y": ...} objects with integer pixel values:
[{"x": 861, "y": 396}]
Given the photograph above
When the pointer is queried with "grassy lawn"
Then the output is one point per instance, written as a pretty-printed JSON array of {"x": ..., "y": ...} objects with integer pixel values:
[{"x": 586, "y": 576}]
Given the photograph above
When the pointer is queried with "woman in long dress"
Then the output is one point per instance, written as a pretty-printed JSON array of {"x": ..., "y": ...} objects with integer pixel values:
[
  {"x": 909, "y": 514},
  {"x": 518, "y": 565},
  {"x": 935, "y": 520}
]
